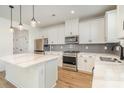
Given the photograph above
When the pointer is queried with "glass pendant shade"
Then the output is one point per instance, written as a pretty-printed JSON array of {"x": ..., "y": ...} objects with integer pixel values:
[
  {"x": 33, "y": 21},
  {"x": 11, "y": 29},
  {"x": 20, "y": 24},
  {"x": 20, "y": 27}
]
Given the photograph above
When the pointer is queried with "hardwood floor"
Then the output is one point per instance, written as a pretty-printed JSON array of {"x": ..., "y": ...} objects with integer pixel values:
[
  {"x": 67, "y": 79},
  {"x": 4, "y": 83},
  {"x": 71, "y": 79}
]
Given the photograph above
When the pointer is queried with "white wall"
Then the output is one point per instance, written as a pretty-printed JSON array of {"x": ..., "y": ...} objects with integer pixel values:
[{"x": 6, "y": 38}]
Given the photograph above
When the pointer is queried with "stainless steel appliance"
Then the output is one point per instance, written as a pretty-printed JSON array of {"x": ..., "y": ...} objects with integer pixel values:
[
  {"x": 70, "y": 60},
  {"x": 40, "y": 45},
  {"x": 72, "y": 39}
]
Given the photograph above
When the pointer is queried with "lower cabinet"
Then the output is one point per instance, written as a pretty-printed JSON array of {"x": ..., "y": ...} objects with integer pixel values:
[
  {"x": 60, "y": 54},
  {"x": 85, "y": 63}
]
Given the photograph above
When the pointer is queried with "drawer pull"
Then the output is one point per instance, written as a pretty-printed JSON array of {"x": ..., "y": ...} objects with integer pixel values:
[{"x": 85, "y": 61}]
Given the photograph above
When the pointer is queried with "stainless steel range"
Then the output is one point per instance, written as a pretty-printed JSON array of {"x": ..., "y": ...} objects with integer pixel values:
[{"x": 70, "y": 60}]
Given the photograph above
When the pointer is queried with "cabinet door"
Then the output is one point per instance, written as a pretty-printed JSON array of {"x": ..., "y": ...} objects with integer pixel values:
[
  {"x": 75, "y": 27},
  {"x": 111, "y": 26},
  {"x": 90, "y": 63},
  {"x": 51, "y": 73},
  {"x": 84, "y": 32},
  {"x": 61, "y": 37},
  {"x": 71, "y": 27},
  {"x": 97, "y": 31},
  {"x": 52, "y": 35},
  {"x": 82, "y": 63},
  {"x": 86, "y": 63},
  {"x": 120, "y": 19}
]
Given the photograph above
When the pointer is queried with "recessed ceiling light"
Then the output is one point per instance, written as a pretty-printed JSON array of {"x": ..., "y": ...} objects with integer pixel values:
[{"x": 72, "y": 11}]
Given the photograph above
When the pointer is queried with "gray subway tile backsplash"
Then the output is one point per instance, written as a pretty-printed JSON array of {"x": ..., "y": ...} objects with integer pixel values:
[{"x": 94, "y": 48}]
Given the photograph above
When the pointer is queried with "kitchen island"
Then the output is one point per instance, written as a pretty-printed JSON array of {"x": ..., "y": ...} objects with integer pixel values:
[{"x": 31, "y": 70}]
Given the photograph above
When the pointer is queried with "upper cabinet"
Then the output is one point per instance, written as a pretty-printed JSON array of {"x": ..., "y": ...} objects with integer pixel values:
[
  {"x": 111, "y": 26},
  {"x": 71, "y": 27},
  {"x": 97, "y": 31},
  {"x": 61, "y": 37},
  {"x": 120, "y": 21},
  {"x": 92, "y": 31},
  {"x": 56, "y": 34},
  {"x": 52, "y": 35},
  {"x": 84, "y": 32}
]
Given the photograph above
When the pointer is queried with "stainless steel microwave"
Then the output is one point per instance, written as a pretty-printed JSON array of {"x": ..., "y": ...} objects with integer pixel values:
[{"x": 72, "y": 39}]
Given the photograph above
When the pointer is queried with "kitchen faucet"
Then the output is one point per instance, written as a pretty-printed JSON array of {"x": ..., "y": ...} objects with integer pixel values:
[{"x": 121, "y": 51}]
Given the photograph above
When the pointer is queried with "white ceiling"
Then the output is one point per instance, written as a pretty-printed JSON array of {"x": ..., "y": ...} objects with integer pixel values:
[{"x": 43, "y": 13}]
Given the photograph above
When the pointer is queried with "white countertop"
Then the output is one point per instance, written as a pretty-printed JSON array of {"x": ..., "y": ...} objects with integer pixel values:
[
  {"x": 108, "y": 74},
  {"x": 28, "y": 59}
]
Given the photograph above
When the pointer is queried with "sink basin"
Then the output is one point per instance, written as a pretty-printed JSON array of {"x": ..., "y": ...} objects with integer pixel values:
[{"x": 109, "y": 59}]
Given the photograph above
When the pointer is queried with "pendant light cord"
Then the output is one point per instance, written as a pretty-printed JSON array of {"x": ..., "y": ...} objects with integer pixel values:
[
  {"x": 33, "y": 11},
  {"x": 11, "y": 17},
  {"x": 20, "y": 15},
  {"x": 11, "y": 7}
]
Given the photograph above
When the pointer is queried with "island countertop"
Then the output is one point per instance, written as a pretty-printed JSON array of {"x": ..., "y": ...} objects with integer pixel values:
[{"x": 27, "y": 59}]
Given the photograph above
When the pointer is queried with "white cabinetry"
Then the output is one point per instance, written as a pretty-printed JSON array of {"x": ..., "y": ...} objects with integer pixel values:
[
  {"x": 86, "y": 62},
  {"x": 56, "y": 34},
  {"x": 84, "y": 32},
  {"x": 60, "y": 54},
  {"x": 52, "y": 35},
  {"x": 92, "y": 31},
  {"x": 120, "y": 19},
  {"x": 111, "y": 26},
  {"x": 71, "y": 27},
  {"x": 97, "y": 31},
  {"x": 61, "y": 37}
]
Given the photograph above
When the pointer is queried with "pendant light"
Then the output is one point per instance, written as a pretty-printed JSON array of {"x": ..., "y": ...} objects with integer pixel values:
[
  {"x": 11, "y": 27},
  {"x": 33, "y": 20},
  {"x": 20, "y": 24}
]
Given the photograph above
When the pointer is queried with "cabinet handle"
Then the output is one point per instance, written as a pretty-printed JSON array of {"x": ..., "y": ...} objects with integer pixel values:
[
  {"x": 71, "y": 33},
  {"x": 85, "y": 61},
  {"x": 90, "y": 56},
  {"x": 90, "y": 40},
  {"x": 123, "y": 25}
]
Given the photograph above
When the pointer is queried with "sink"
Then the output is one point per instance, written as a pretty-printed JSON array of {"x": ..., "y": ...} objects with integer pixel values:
[{"x": 109, "y": 59}]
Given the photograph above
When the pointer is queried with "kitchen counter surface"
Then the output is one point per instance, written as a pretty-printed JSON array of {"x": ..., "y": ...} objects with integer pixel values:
[
  {"x": 108, "y": 74},
  {"x": 27, "y": 60}
]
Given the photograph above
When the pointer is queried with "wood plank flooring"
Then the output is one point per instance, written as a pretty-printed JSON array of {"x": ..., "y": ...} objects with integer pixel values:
[
  {"x": 67, "y": 79},
  {"x": 71, "y": 79}
]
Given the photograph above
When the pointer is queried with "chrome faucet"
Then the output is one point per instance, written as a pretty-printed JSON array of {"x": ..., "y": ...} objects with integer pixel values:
[{"x": 121, "y": 51}]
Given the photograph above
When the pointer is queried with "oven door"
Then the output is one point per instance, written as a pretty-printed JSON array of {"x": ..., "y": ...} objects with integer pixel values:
[{"x": 69, "y": 60}]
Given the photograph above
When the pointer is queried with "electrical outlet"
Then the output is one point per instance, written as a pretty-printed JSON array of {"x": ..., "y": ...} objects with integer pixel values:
[
  {"x": 61, "y": 47},
  {"x": 86, "y": 47},
  {"x": 105, "y": 47},
  {"x": 71, "y": 46}
]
